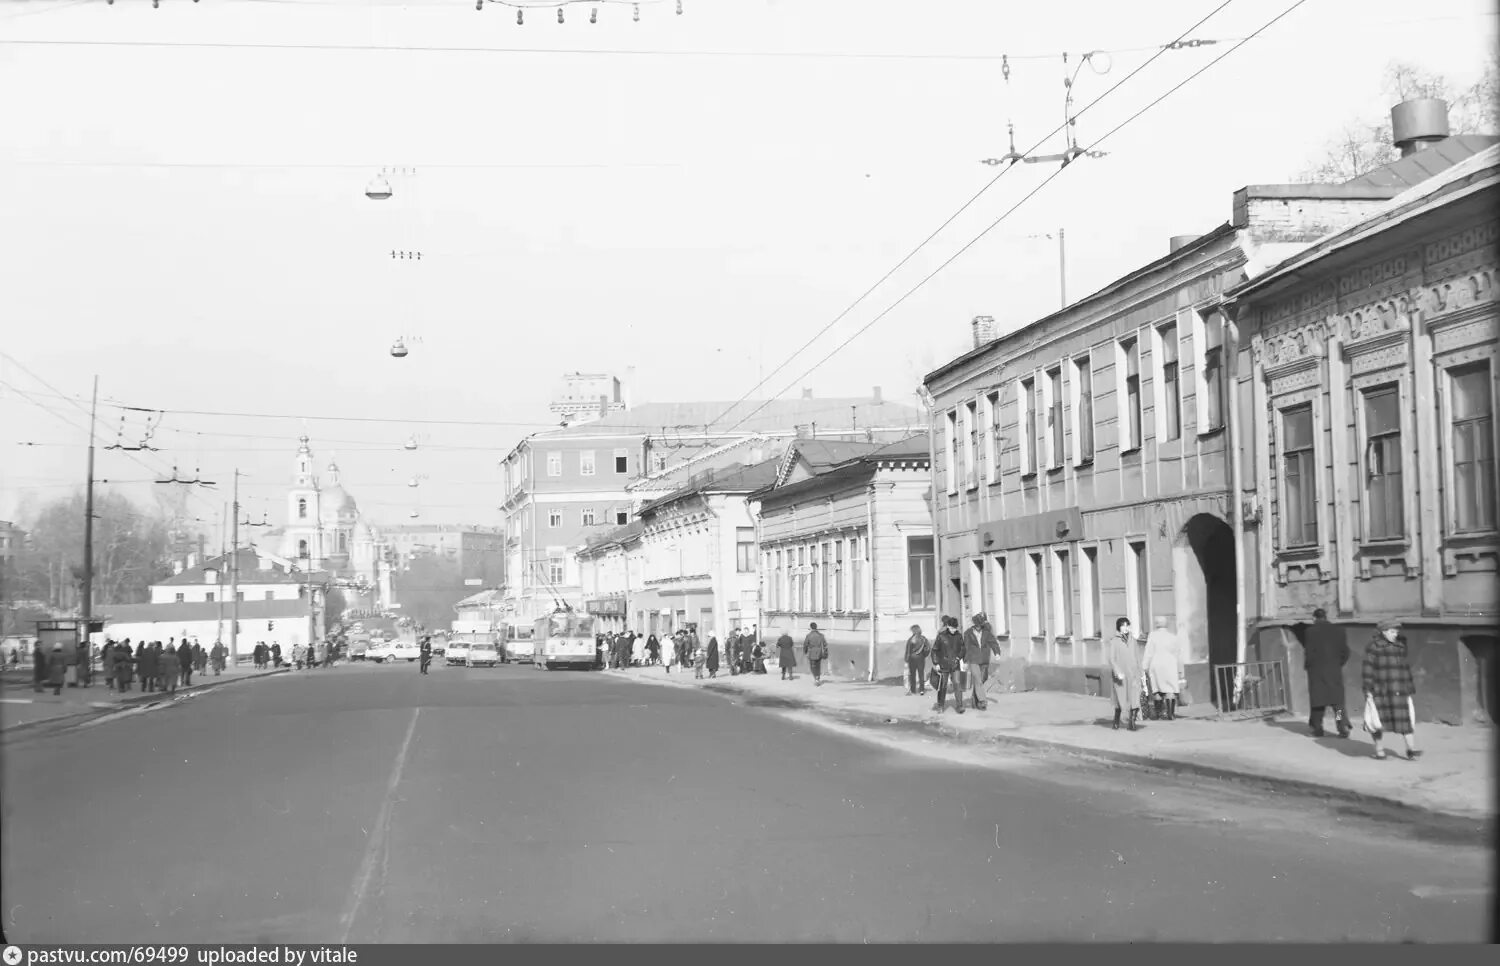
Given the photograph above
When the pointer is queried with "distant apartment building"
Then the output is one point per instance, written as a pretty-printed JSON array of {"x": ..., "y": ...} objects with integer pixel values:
[{"x": 568, "y": 485}]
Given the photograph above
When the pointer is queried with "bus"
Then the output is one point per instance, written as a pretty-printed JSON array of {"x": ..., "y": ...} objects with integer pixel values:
[
  {"x": 563, "y": 639},
  {"x": 516, "y": 646}
]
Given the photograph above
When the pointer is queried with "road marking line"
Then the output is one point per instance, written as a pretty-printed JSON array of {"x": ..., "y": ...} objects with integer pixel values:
[
  {"x": 16, "y": 701},
  {"x": 376, "y": 844},
  {"x": 1437, "y": 892}
]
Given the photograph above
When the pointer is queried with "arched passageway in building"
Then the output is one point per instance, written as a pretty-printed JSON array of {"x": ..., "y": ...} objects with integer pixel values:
[{"x": 1203, "y": 591}]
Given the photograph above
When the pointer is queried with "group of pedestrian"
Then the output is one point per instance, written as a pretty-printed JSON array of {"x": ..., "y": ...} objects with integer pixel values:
[
  {"x": 303, "y": 655},
  {"x": 49, "y": 669},
  {"x": 618, "y": 649},
  {"x": 265, "y": 656},
  {"x": 1155, "y": 681},
  {"x": 1385, "y": 676},
  {"x": 960, "y": 662},
  {"x": 158, "y": 667},
  {"x": 814, "y": 648}
]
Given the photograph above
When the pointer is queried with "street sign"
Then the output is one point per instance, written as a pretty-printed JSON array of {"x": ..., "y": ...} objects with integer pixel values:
[{"x": 474, "y": 582}]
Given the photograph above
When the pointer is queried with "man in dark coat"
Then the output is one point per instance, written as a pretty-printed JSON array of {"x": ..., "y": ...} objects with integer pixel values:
[
  {"x": 786, "y": 655},
  {"x": 979, "y": 644},
  {"x": 1325, "y": 654},
  {"x": 947, "y": 652},
  {"x": 185, "y": 662},
  {"x": 147, "y": 662},
  {"x": 917, "y": 649},
  {"x": 216, "y": 657},
  {"x": 38, "y": 666},
  {"x": 815, "y": 646}
]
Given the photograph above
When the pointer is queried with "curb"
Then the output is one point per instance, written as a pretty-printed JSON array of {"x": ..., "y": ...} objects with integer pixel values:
[
  {"x": 1294, "y": 786},
  {"x": 137, "y": 703}
]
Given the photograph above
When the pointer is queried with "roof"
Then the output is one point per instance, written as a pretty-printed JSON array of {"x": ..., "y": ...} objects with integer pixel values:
[
  {"x": 1421, "y": 165},
  {"x": 858, "y": 466},
  {"x": 481, "y": 599},
  {"x": 821, "y": 454},
  {"x": 248, "y": 563},
  {"x": 198, "y": 610},
  {"x": 912, "y": 447},
  {"x": 615, "y": 537},
  {"x": 741, "y": 479},
  {"x": 1452, "y": 183},
  {"x": 744, "y": 417}
]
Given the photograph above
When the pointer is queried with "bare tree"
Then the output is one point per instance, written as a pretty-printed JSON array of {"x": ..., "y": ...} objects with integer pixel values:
[
  {"x": 130, "y": 551},
  {"x": 1363, "y": 145}
]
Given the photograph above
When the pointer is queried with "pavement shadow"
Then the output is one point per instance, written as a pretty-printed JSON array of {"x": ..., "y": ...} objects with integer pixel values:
[{"x": 1344, "y": 746}]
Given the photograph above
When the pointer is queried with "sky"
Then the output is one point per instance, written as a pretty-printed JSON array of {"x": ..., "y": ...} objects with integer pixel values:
[{"x": 683, "y": 200}]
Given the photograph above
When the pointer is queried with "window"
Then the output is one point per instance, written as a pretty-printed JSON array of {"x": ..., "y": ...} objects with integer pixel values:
[
  {"x": 838, "y": 575},
  {"x": 992, "y": 439},
  {"x": 302, "y": 548},
  {"x": 1083, "y": 409},
  {"x": 1211, "y": 379},
  {"x": 554, "y": 518},
  {"x": 1026, "y": 402},
  {"x": 1140, "y": 589},
  {"x": 239, "y": 595},
  {"x": 586, "y": 462},
  {"x": 622, "y": 517},
  {"x": 1036, "y": 595},
  {"x": 659, "y": 463},
  {"x": 622, "y": 461},
  {"x": 950, "y": 452},
  {"x": 587, "y": 517},
  {"x": 1170, "y": 418},
  {"x": 209, "y": 597},
  {"x": 802, "y": 579},
  {"x": 744, "y": 550},
  {"x": 999, "y": 609},
  {"x": 1130, "y": 391},
  {"x": 921, "y": 573},
  {"x": 1091, "y": 609},
  {"x": 971, "y": 432},
  {"x": 1382, "y": 459},
  {"x": 856, "y": 573},
  {"x": 554, "y": 464},
  {"x": 773, "y": 592},
  {"x": 1055, "y": 418},
  {"x": 1299, "y": 477},
  {"x": 301, "y": 509},
  {"x": 828, "y": 578},
  {"x": 1062, "y": 594},
  {"x": 1472, "y": 433},
  {"x": 270, "y": 595},
  {"x": 181, "y": 598},
  {"x": 555, "y": 570}
]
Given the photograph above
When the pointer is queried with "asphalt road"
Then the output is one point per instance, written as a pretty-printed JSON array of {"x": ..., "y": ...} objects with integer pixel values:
[{"x": 371, "y": 804}]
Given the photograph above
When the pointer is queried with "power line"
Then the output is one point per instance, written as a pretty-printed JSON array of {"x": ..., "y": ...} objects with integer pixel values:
[
  {"x": 334, "y": 166},
  {"x": 1023, "y": 200},
  {"x": 965, "y": 207}
]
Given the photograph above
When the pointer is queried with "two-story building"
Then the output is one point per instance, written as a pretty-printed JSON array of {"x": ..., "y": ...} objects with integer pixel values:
[
  {"x": 274, "y": 602},
  {"x": 611, "y": 573},
  {"x": 1369, "y": 389},
  {"x": 845, "y": 534}
]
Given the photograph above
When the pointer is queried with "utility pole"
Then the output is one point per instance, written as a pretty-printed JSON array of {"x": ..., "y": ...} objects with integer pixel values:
[
  {"x": 88, "y": 523},
  {"x": 1062, "y": 267},
  {"x": 234, "y": 577}
]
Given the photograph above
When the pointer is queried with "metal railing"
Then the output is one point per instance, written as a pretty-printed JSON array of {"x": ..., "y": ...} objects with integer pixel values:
[{"x": 1255, "y": 687}]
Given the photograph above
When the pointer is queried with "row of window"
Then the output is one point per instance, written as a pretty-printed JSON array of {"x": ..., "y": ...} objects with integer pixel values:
[
  {"x": 589, "y": 518},
  {"x": 817, "y": 577},
  {"x": 1062, "y": 591},
  {"x": 586, "y": 462},
  {"x": 208, "y": 598},
  {"x": 1468, "y": 465},
  {"x": 1057, "y": 404}
]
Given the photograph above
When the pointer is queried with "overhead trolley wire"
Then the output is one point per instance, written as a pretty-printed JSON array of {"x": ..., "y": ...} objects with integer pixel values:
[
  {"x": 1048, "y": 180},
  {"x": 964, "y": 207}
]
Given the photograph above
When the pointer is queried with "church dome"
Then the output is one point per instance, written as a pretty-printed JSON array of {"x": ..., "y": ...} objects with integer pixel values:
[{"x": 335, "y": 503}]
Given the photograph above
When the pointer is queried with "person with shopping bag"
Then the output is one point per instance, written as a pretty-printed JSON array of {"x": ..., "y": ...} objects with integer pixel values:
[
  {"x": 1389, "y": 689},
  {"x": 947, "y": 665}
]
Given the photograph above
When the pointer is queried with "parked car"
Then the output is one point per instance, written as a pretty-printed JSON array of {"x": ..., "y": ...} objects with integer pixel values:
[
  {"x": 458, "y": 652},
  {"x": 400, "y": 651},
  {"x": 358, "y": 650}
]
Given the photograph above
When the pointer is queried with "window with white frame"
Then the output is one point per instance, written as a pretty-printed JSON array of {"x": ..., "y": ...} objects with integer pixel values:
[
  {"x": 301, "y": 509},
  {"x": 999, "y": 604},
  {"x": 554, "y": 518},
  {"x": 586, "y": 462},
  {"x": 1062, "y": 593},
  {"x": 1299, "y": 478},
  {"x": 802, "y": 579},
  {"x": 1026, "y": 406},
  {"x": 1471, "y": 449},
  {"x": 1138, "y": 581},
  {"x": 554, "y": 464},
  {"x": 950, "y": 451},
  {"x": 1082, "y": 390},
  {"x": 1208, "y": 343},
  {"x": 838, "y": 576},
  {"x": 587, "y": 517},
  {"x": 977, "y": 596},
  {"x": 971, "y": 435},
  {"x": 1169, "y": 405},
  {"x": 744, "y": 550},
  {"x": 556, "y": 570},
  {"x": 1128, "y": 369},
  {"x": 818, "y": 599},
  {"x": 1384, "y": 498},
  {"x": 856, "y": 573},
  {"x": 1036, "y": 595},
  {"x": 921, "y": 574},
  {"x": 992, "y": 436},
  {"x": 1055, "y": 453},
  {"x": 1090, "y": 609}
]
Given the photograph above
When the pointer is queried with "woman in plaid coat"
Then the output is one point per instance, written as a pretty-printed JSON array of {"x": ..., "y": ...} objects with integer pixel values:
[{"x": 1388, "y": 683}]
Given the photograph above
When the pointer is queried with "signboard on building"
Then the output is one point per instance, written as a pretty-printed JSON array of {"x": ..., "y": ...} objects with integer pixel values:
[{"x": 606, "y": 606}]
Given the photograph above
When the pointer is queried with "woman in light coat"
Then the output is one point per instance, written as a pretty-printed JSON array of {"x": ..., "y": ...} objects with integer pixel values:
[
  {"x": 1165, "y": 673},
  {"x": 1125, "y": 672}
]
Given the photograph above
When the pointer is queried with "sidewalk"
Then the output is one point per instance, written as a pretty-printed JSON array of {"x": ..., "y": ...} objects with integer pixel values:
[
  {"x": 22, "y": 708},
  {"x": 1454, "y": 777}
]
